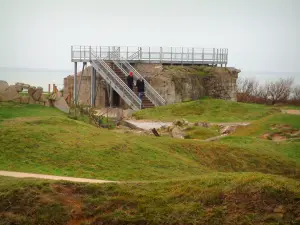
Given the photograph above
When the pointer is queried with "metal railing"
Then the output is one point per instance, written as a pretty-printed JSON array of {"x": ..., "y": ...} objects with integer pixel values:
[
  {"x": 126, "y": 68},
  {"x": 172, "y": 55},
  {"x": 115, "y": 81}
]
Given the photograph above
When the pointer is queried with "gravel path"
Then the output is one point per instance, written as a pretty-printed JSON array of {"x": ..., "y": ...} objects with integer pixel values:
[{"x": 51, "y": 177}]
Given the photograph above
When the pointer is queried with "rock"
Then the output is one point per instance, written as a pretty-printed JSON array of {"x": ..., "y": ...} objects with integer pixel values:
[
  {"x": 31, "y": 91},
  {"x": 228, "y": 129},
  {"x": 181, "y": 122},
  {"x": 24, "y": 99},
  {"x": 3, "y": 86},
  {"x": 202, "y": 124},
  {"x": 61, "y": 104},
  {"x": 177, "y": 133},
  {"x": 279, "y": 209},
  {"x": 170, "y": 128},
  {"x": 10, "y": 94},
  {"x": 37, "y": 94}
]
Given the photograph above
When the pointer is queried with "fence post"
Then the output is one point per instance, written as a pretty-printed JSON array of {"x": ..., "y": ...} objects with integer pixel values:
[
  {"x": 72, "y": 55},
  {"x": 160, "y": 55},
  {"x": 80, "y": 52},
  {"x": 109, "y": 52},
  {"x": 181, "y": 55},
  {"x": 193, "y": 55},
  {"x": 213, "y": 57},
  {"x": 171, "y": 56},
  {"x": 90, "y": 53}
]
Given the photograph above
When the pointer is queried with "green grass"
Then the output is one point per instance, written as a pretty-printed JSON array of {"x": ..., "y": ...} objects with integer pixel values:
[
  {"x": 206, "y": 109},
  {"x": 200, "y": 133},
  {"x": 217, "y": 198},
  {"x": 51, "y": 143},
  {"x": 9, "y": 110},
  {"x": 241, "y": 179},
  {"x": 268, "y": 124}
]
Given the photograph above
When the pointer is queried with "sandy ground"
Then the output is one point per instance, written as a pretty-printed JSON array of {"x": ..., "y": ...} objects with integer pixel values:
[{"x": 51, "y": 177}]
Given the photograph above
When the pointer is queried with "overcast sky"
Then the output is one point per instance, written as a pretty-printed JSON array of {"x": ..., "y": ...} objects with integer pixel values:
[{"x": 261, "y": 35}]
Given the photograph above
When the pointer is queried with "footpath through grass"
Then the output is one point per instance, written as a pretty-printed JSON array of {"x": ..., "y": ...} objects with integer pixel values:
[
  {"x": 231, "y": 198},
  {"x": 207, "y": 109}
]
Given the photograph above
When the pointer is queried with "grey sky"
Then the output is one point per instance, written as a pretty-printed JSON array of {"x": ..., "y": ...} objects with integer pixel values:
[{"x": 261, "y": 35}]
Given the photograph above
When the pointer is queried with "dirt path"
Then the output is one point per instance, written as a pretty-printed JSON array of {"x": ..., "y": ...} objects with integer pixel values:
[
  {"x": 51, "y": 177},
  {"x": 291, "y": 111}
]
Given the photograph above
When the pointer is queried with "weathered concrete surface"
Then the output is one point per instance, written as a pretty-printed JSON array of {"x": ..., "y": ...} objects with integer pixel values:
[
  {"x": 84, "y": 93},
  {"x": 147, "y": 125},
  {"x": 183, "y": 83},
  {"x": 115, "y": 112}
]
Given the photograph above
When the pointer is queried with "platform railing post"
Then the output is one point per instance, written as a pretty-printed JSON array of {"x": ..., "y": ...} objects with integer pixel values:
[
  {"x": 80, "y": 52},
  {"x": 72, "y": 55},
  {"x": 160, "y": 55},
  {"x": 90, "y": 53},
  {"x": 171, "y": 56},
  {"x": 75, "y": 84},
  {"x": 213, "y": 62},
  {"x": 193, "y": 55}
]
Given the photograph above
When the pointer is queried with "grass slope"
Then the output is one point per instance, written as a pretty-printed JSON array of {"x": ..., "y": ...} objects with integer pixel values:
[
  {"x": 231, "y": 198},
  {"x": 206, "y": 109},
  {"x": 53, "y": 144}
]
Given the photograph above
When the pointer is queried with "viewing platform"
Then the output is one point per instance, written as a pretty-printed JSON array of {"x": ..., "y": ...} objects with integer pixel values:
[{"x": 163, "y": 55}]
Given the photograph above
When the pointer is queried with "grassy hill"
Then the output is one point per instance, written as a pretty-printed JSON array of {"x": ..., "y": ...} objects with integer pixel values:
[
  {"x": 241, "y": 179},
  {"x": 51, "y": 143},
  {"x": 207, "y": 109},
  {"x": 231, "y": 198}
]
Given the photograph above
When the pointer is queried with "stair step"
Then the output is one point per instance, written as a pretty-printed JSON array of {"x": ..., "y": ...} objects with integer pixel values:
[{"x": 145, "y": 101}]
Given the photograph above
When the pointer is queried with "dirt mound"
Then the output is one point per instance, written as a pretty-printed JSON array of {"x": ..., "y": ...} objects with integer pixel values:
[{"x": 282, "y": 132}]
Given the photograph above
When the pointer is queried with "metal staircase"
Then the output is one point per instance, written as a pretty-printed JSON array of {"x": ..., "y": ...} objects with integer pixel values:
[
  {"x": 115, "y": 82},
  {"x": 125, "y": 67}
]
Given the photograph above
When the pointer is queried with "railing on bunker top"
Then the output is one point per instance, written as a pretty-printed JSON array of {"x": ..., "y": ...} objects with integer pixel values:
[
  {"x": 170, "y": 55},
  {"x": 115, "y": 81},
  {"x": 126, "y": 68}
]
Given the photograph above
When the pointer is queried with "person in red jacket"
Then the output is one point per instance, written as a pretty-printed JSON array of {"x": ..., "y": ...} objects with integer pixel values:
[{"x": 130, "y": 80}]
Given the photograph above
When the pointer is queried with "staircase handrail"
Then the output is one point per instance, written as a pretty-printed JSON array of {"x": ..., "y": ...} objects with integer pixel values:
[
  {"x": 150, "y": 92},
  {"x": 118, "y": 84}
]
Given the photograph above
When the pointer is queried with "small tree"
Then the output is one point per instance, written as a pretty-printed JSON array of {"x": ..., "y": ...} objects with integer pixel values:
[
  {"x": 296, "y": 93},
  {"x": 280, "y": 90}
]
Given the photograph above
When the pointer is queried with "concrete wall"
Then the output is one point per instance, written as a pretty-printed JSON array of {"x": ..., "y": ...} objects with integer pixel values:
[
  {"x": 182, "y": 83},
  {"x": 174, "y": 83},
  {"x": 84, "y": 94}
]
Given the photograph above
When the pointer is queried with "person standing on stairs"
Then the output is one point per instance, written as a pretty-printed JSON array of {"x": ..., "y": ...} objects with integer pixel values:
[
  {"x": 130, "y": 80},
  {"x": 141, "y": 87}
]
